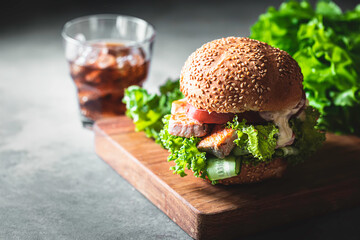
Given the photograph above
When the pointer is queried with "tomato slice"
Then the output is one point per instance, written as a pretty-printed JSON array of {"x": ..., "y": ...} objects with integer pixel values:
[{"x": 204, "y": 116}]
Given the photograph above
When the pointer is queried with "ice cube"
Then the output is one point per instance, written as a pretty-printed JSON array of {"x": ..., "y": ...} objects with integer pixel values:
[
  {"x": 93, "y": 76},
  {"x": 87, "y": 56},
  {"x": 137, "y": 60},
  {"x": 76, "y": 70},
  {"x": 74, "y": 50},
  {"x": 80, "y": 37},
  {"x": 137, "y": 57},
  {"x": 105, "y": 61},
  {"x": 122, "y": 61},
  {"x": 129, "y": 60},
  {"x": 85, "y": 96},
  {"x": 71, "y": 52}
]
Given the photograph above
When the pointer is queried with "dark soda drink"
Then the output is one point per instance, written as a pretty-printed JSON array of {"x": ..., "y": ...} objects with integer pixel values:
[{"x": 101, "y": 75}]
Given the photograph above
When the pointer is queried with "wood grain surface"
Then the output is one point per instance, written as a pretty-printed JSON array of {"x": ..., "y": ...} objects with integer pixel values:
[{"x": 328, "y": 181}]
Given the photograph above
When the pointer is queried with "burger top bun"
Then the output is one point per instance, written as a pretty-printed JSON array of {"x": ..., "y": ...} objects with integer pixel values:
[{"x": 240, "y": 74}]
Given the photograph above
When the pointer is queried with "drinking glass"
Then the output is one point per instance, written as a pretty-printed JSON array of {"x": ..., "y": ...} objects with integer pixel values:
[{"x": 106, "y": 54}]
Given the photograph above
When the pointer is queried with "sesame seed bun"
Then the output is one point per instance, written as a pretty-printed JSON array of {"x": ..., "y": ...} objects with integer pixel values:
[
  {"x": 240, "y": 74},
  {"x": 258, "y": 173}
]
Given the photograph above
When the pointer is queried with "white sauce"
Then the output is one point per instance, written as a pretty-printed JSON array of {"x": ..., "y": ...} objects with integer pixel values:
[
  {"x": 302, "y": 115},
  {"x": 281, "y": 120}
]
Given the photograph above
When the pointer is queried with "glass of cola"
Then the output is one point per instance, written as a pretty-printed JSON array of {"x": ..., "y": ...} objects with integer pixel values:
[{"x": 106, "y": 54}]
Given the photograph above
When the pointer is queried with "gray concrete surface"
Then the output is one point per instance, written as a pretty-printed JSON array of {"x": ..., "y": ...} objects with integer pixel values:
[{"x": 52, "y": 184}]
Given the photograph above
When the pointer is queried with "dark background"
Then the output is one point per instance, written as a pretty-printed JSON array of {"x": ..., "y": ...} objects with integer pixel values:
[
  {"x": 20, "y": 13},
  {"x": 52, "y": 184}
]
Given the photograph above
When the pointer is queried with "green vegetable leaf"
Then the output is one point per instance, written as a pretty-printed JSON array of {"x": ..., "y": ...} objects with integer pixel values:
[
  {"x": 326, "y": 44},
  {"x": 279, "y": 27},
  {"x": 328, "y": 8},
  {"x": 259, "y": 140},
  {"x": 308, "y": 139},
  {"x": 147, "y": 109},
  {"x": 183, "y": 152}
]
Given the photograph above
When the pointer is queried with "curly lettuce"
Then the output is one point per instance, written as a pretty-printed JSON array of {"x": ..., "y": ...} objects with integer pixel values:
[
  {"x": 326, "y": 43},
  {"x": 147, "y": 109},
  {"x": 257, "y": 143},
  {"x": 258, "y": 140},
  {"x": 308, "y": 137},
  {"x": 183, "y": 152}
]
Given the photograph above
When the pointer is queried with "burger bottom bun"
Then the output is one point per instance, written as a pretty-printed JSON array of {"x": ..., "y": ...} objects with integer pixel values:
[{"x": 258, "y": 173}]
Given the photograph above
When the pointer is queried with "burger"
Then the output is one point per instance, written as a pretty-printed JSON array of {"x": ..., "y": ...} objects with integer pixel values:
[{"x": 244, "y": 117}]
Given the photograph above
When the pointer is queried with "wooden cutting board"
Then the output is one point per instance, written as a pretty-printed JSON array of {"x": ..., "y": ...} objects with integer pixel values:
[{"x": 328, "y": 181}]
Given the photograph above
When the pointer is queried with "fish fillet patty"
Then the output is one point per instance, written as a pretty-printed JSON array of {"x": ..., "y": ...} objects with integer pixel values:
[
  {"x": 183, "y": 126},
  {"x": 220, "y": 142}
]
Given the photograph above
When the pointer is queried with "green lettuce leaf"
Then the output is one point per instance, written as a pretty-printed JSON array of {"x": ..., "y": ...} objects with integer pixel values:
[
  {"x": 257, "y": 143},
  {"x": 308, "y": 138},
  {"x": 183, "y": 152},
  {"x": 147, "y": 109},
  {"x": 279, "y": 27},
  {"x": 259, "y": 140},
  {"x": 326, "y": 44}
]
